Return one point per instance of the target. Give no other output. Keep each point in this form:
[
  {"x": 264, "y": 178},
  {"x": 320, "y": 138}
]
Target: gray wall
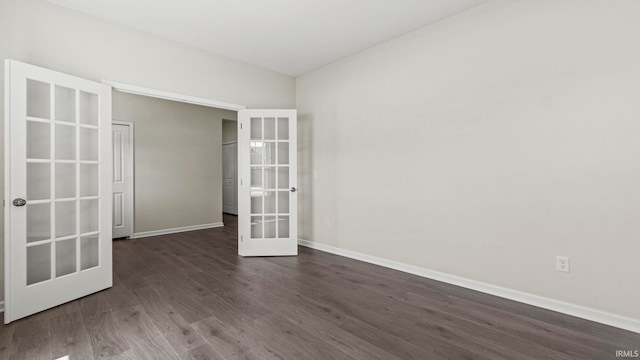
[
  {"x": 46, "y": 35},
  {"x": 178, "y": 161},
  {"x": 229, "y": 130},
  {"x": 485, "y": 145}
]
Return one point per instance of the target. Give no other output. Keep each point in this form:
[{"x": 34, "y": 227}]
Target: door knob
[
  {"x": 293, "y": 189},
  {"x": 19, "y": 202}
]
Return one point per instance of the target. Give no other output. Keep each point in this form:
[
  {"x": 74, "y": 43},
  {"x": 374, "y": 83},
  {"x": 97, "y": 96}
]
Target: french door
[
  {"x": 268, "y": 198},
  {"x": 57, "y": 189}
]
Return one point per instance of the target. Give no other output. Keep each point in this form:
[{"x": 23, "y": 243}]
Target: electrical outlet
[{"x": 562, "y": 263}]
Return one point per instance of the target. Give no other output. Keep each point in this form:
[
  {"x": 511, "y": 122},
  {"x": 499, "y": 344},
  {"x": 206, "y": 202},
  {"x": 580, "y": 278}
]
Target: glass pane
[
  {"x": 256, "y": 178},
  {"x": 65, "y": 257},
  {"x": 38, "y": 99},
  {"x": 88, "y": 144},
  {"x": 256, "y": 129},
  {"x": 269, "y": 202},
  {"x": 38, "y": 263},
  {"x": 270, "y": 227},
  {"x": 65, "y": 142},
  {"x": 89, "y": 183},
  {"x": 269, "y": 128},
  {"x": 65, "y": 181},
  {"x": 38, "y": 140},
  {"x": 283, "y": 226},
  {"x": 256, "y": 152},
  {"x": 283, "y": 202},
  {"x": 256, "y": 204},
  {"x": 38, "y": 222},
  {"x": 283, "y": 153},
  {"x": 88, "y": 215},
  {"x": 38, "y": 181},
  {"x": 283, "y": 129},
  {"x": 88, "y": 108},
  {"x": 283, "y": 177},
  {"x": 256, "y": 227},
  {"x": 269, "y": 153},
  {"x": 65, "y": 218},
  {"x": 89, "y": 252},
  {"x": 65, "y": 104},
  {"x": 270, "y": 178}
]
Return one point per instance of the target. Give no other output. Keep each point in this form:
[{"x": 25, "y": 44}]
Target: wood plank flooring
[{"x": 189, "y": 296}]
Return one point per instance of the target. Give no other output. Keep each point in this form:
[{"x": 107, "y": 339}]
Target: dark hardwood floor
[{"x": 189, "y": 296}]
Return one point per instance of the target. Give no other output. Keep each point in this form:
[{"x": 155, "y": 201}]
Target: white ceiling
[{"x": 288, "y": 36}]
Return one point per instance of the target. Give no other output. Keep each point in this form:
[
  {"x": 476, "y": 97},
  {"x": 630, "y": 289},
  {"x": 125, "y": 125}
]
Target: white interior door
[
  {"x": 229, "y": 176},
  {"x": 57, "y": 189},
  {"x": 268, "y": 201},
  {"x": 122, "y": 179}
]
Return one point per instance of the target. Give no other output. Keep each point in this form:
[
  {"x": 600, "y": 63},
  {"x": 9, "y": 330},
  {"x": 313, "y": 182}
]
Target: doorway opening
[
  {"x": 178, "y": 164},
  {"x": 230, "y": 167}
]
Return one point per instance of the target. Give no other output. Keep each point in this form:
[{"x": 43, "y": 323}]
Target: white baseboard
[
  {"x": 176, "y": 230},
  {"x": 583, "y": 312},
  {"x": 2, "y": 306}
]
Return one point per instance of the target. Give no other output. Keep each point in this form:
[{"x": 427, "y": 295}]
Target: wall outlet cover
[{"x": 562, "y": 263}]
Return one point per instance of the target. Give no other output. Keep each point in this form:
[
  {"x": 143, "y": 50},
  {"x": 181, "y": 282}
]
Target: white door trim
[
  {"x": 7, "y": 183},
  {"x": 131, "y": 201},
  {"x": 167, "y": 95}
]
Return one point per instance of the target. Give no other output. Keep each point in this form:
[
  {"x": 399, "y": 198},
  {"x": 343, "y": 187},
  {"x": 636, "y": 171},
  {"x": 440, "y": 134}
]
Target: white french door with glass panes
[
  {"x": 57, "y": 189},
  {"x": 268, "y": 198}
]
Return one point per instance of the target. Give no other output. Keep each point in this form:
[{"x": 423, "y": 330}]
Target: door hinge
[
  {"x": 241, "y": 238},
  {"x": 240, "y": 182},
  {"x": 240, "y": 126}
]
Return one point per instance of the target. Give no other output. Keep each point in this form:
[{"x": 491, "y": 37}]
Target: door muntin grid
[
  {"x": 62, "y": 181},
  {"x": 269, "y": 177}
]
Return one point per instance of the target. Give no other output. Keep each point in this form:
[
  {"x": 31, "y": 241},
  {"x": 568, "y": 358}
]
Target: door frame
[
  {"x": 167, "y": 95},
  {"x": 131, "y": 202},
  {"x": 7, "y": 186}
]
